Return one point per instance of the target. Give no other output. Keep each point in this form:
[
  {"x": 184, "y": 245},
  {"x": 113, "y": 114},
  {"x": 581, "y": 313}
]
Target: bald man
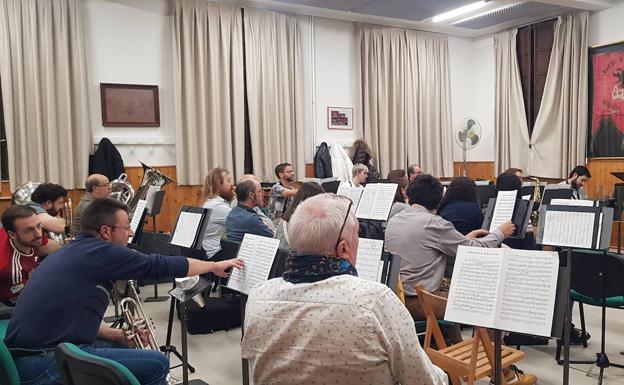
[{"x": 97, "y": 186}]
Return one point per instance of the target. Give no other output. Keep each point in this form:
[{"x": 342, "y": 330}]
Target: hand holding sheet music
[
  {"x": 258, "y": 254},
  {"x": 504, "y": 209}
]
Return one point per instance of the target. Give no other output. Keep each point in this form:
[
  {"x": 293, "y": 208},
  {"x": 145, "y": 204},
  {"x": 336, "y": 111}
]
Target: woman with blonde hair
[{"x": 216, "y": 195}]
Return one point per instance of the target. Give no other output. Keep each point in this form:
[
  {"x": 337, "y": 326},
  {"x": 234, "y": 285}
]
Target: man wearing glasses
[
  {"x": 243, "y": 219},
  {"x": 22, "y": 241},
  {"x": 97, "y": 186},
  {"x": 320, "y": 323},
  {"x": 67, "y": 297}
]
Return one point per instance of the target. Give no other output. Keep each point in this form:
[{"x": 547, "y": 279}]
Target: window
[
  {"x": 534, "y": 45},
  {"x": 4, "y": 155}
]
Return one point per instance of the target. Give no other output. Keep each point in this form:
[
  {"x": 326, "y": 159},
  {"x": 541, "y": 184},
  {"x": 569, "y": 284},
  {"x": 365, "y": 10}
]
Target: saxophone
[{"x": 537, "y": 197}]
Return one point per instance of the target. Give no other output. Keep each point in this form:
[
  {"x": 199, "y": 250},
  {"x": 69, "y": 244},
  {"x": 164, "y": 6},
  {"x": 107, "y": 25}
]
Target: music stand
[{"x": 153, "y": 212}]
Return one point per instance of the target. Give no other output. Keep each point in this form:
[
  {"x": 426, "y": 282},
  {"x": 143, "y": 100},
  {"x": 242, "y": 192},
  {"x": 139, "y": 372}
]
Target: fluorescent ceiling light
[
  {"x": 458, "y": 11},
  {"x": 484, "y": 13}
]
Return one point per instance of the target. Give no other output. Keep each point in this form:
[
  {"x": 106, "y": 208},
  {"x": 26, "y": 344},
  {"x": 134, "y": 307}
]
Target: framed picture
[
  {"x": 606, "y": 101},
  {"x": 340, "y": 118},
  {"x": 129, "y": 105}
]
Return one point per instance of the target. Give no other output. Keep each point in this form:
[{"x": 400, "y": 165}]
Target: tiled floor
[{"x": 217, "y": 360}]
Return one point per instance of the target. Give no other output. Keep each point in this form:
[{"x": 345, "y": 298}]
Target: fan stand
[{"x": 464, "y": 170}]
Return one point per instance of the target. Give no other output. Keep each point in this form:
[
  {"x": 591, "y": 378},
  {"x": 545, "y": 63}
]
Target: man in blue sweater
[
  {"x": 67, "y": 297},
  {"x": 243, "y": 218}
]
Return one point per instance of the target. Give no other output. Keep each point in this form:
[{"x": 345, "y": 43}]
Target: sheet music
[
  {"x": 136, "y": 217},
  {"x": 568, "y": 229},
  {"x": 368, "y": 258},
  {"x": 503, "y": 211},
  {"x": 149, "y": 197},
  {"x": 526, "y": 197},
  {"x": 376, "y": 201},
  {"x": 474, "y": 286},
  {"x": 353, "y": 193},
  {"x": 529, "y": 287},
  {"x": 258, "y": 253},
  {"x": 186, "y": 229},
  {"x": 572, "y": 202}
]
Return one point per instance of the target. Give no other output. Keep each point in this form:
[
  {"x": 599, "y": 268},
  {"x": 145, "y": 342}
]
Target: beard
[
  {"x": 35, "y": 242},
  {"x": 52, "y": 211},
  {"x": 574, "y": 184},
  {"x": 227, "y": 195}
]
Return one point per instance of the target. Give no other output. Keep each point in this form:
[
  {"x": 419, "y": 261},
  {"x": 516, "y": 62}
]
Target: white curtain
[
  {"x": 405, "y": 98},
  {"x": 560, "y": 132},
  {"x": 511, "y": 136},
  {"x": 45, "y": 91},
  {"x": 274, "y": 90},
  {"x": 208, "y": 88}
]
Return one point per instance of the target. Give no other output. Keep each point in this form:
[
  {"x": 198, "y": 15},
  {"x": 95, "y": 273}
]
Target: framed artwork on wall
[
  {"x": 340, "y": 118},
  {"x": 129, "y": 105},
  {"x": 606, "y": 101}
]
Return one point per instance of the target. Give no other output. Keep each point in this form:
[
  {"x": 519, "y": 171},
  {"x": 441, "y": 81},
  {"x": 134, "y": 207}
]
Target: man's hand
[
  {"x": 220, "y": 267},
  {"x": 478, "y": 233},
  {"x": 507, "y": 229}
]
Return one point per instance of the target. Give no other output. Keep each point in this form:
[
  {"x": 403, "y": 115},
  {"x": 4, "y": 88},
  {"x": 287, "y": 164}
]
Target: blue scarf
[{"x": 302, "y": 268}]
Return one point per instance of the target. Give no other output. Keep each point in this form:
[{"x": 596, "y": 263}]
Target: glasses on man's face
[
  {"x": 125, "y": 228},
  {"x": 344, "y": 222}
]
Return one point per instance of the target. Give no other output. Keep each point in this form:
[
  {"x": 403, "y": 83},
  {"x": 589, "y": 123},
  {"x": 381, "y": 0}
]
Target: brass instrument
[
  {"x": 151, "y": 177},
  {"x": 121, "y": 189},
  {"x": 21, "y": 195},
  {"x": 537, "y": 197},
  {"x": 135, "y": 320}
]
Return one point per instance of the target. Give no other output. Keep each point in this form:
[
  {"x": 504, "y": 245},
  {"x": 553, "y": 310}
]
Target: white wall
[
  {"x": 603, "y": 25},
  {"x": 132, "y": 44}
]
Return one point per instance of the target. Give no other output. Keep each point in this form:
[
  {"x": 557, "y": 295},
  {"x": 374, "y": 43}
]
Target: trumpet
[{"x": 136, "y": 320}]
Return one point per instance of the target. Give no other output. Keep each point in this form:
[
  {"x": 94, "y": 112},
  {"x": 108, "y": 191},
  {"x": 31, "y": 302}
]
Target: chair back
[
  {"x": 587, "y": 270},
  {"x": 79, "y": 367},
  {"x": 229, "y": 248},
  {"x": 8, "y": 371},
  {"x": 429, "y": 304}
]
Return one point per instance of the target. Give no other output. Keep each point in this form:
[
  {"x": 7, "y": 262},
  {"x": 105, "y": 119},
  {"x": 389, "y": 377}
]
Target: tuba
[
  {"x": 151, "y": 177},
  {"x": 21, "y": 196},
  {"x": 121, "y": 189}
]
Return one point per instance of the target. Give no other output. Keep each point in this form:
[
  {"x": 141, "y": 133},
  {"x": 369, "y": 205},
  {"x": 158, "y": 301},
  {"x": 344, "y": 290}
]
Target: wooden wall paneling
[
  {"x": 476, "y": 170},
  {"x": 602, "y": 182},
  {"x": 309, "y": 170}
]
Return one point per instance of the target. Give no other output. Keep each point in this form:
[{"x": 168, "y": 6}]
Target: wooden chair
[{"x": 469, "y": 360}]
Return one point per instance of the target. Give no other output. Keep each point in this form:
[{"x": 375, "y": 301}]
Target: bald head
[{"x": 98, "y": 185}]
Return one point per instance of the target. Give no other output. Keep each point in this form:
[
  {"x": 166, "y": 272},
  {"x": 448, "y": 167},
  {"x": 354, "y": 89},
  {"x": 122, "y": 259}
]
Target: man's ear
[
  {"x": 105, "y": 232},
  {"x": 12, "y": 235},
  {"x": 343, "y": 249}
]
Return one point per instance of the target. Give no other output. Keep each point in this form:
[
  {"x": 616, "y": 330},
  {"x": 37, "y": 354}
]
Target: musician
[
  {"x": 320, "y": 323},
  {"x": 48, "y": 200},
  {"x": 282, "y": 192},
  {"x": 67, "y": 297},
  {"x": 217, "y": 193},
  {"x": 413, "y": 171},
  {"x": 243, "y": 218},
  {"x": 359, "y": 174},
  {"x": 577, "y": 179},
  {"x": 516, "y": 171},
  {"x": 96, "y": 186},
  {"x": 22, "y": 241}
]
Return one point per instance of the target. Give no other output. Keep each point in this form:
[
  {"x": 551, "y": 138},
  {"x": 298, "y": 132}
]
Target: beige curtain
[
  {"x": 511, "y": 134},
  {"x": 45, "y": 91},
  {"x": 274, "y": 91},
  {"x": 404, "y": 97},
  {"x": 208, "y": 88},
  {"x": 560, "y": 131}
]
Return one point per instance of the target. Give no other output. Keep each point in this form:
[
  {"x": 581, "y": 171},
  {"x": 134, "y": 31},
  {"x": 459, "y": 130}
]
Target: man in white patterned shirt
[{"x": 320, "y": 323}]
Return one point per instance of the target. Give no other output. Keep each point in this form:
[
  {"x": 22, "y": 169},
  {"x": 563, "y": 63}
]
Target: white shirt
[
  {"x": 216, "y": 225},
  {"x": 342, "y": 330}
]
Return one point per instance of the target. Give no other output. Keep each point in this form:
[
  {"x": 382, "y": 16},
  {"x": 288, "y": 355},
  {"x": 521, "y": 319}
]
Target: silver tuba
[
  {"x": 121, "y": 189},
  {"x": 151, "y": 177},
  {"x": 21, "y": 196}
]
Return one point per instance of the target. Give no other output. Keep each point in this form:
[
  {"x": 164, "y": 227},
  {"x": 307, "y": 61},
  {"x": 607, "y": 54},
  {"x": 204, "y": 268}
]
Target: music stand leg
[
  {"x": 185, "y": 365},
  {"x": 497, "y": 356},
  {"x": 619, "y": 237},
  {"x": 567, "y": 320}
]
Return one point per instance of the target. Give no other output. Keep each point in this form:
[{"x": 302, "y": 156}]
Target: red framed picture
[{"x": 340, "y": 118}]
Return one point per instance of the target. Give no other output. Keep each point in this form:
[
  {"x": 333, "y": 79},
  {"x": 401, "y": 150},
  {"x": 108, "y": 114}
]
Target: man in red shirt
[{"x": 22, "y": 241}]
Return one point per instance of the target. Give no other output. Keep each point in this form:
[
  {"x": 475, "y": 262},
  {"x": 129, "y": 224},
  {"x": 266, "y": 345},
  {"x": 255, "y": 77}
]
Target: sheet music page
[
  {"x": 526, "y": 197},
  {"x": 186, "y": 229},
  {"x": 376, "y": 201},
  {"x": 568, "y": 229},
  {"x": 527, "y": 295},
  {"x": 368, "y": 258},
  {"x": 258, "y": 253},
  {"x": 353, "y": 193},
  {"x": 503, "y": 211},
  {"x": 572, "y": 202},
  {"x": 136, "y": 217},
  {"x": 474, "y": 287},
  {"x": 149, "y": 197}
]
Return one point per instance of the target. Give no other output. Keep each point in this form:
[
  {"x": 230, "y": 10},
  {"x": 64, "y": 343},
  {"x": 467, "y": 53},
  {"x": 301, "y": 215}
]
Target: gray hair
[
  {"x": 314, "y": 226},
  {"x": 357, "y": 168}
]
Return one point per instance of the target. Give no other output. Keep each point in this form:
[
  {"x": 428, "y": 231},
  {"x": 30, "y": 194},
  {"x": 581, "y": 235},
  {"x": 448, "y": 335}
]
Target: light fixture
[{"x": 458, "y": 11}]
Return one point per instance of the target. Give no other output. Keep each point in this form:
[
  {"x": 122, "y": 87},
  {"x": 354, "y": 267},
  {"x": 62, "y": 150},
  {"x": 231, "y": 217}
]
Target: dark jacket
[
  {"x": 360, "y": 155},
  {"x": 322, "y": 162},
  {"x": 106, "y": 160}
]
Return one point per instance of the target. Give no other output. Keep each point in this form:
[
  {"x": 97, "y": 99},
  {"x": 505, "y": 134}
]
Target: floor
[{"x": 217, "y": 360}]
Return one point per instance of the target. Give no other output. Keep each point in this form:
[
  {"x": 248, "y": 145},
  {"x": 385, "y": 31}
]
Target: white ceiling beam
[{"x": 587, "y": 5}]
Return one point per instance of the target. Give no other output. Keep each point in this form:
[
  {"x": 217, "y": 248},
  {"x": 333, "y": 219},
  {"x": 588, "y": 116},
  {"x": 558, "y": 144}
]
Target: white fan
[{"x": 467, "y": 137}]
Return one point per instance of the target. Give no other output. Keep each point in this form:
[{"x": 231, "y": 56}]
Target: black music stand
[
  {"x": 153, "y": 212},
  {"x": 183, "y": 298},
  {"x": 520, "y": 218}
]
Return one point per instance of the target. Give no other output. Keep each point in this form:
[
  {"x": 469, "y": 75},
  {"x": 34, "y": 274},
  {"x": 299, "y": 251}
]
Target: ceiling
[{"x": 496, "y": 15}]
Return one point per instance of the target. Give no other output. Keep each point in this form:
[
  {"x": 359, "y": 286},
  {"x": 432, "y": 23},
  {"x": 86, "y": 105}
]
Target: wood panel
[
  {"x": 476, "y": 170},
  {"x": 309, "y": 170},
  {"x": 602, "y": 182}
]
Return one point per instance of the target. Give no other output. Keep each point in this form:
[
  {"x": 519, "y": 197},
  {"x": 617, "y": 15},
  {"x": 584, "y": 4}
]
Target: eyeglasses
[
  {"x": 344, "y": 222},
  {"x": 125, "y": 228}
]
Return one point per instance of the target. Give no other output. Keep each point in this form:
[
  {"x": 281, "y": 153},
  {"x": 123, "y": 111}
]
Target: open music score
[
  {"x": 505, "y": 289},
  {"x": 504, "y": 209},
  {"x": 375, "y": 201},
  {"x": 353, "y": 193},
  {"x": 187, "y": 227},
  {"x": 258, "y": 253},
  {"x": 369, "y": 263},
  {"x": 137, "y": 216},
  {"x": 569, "y": 229}
]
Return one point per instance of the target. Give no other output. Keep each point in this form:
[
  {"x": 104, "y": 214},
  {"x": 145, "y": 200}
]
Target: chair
[
  {"x": 4, "y": 324},
  {"x": 8, "y": 371},
  {"x": 469, "y": 360},
  {"x": 81, "y": 368}
]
